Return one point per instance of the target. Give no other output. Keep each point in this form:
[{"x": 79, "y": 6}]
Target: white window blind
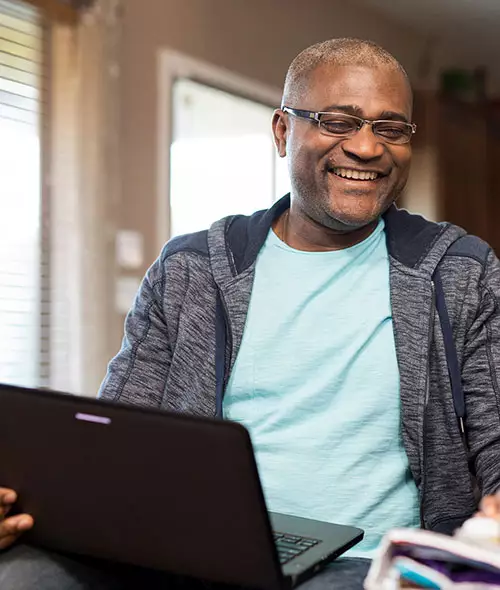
[{"x": 21, "y": 51}]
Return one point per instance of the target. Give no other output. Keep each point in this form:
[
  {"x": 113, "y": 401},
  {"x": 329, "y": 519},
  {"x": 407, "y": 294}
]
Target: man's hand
[
  {"x": 11, "y": 528},
  {"x": 490, "y": 506}
]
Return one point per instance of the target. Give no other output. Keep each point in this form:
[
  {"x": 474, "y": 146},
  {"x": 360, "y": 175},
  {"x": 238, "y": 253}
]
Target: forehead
[{"x": 373, "y": 90}]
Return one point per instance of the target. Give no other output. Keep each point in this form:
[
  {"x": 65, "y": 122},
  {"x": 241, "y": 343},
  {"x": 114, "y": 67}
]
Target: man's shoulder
[
  {"x": 232, "y": 228},
  {"x": 470, "y": 246},
  {"x": 181, "y": 257},
  {"x": 194, "y": 242},
  {"x": 406, "y": 224},
  {"x": 414, "y": 238},
  {"x": 241, "y": 235}
]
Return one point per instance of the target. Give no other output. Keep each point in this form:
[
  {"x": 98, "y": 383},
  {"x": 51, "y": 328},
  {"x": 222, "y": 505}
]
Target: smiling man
[
  {"x": 321, "y": 296},
  {"x": 314, "y": 325}
]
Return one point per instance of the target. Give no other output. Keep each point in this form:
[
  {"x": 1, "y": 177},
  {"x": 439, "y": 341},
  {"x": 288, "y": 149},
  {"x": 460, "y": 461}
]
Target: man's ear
[{"x": 280, "y": 131}]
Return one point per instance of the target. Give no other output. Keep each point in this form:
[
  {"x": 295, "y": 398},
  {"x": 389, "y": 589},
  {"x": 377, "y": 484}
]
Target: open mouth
[{"x": 351, "y": 174}]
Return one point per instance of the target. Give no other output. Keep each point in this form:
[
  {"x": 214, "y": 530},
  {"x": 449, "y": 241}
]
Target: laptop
[{"x": 155, "y": 489}]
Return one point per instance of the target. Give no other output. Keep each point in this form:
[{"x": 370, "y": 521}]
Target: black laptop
[{"x": 155, "y": 489}]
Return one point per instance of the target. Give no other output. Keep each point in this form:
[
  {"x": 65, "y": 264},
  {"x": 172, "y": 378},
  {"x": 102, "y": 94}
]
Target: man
[{"x": 313, "y": 323}]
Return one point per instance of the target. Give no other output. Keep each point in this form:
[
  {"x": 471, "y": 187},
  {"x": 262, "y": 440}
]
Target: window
[
  {"x": 215, "y": 145},
  {"x": 20, "y": 238},
  {"x": 223, "y": 158}
]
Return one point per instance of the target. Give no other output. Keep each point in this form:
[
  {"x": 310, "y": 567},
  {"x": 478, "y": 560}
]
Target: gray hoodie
[{"x": 186, "y": 325}]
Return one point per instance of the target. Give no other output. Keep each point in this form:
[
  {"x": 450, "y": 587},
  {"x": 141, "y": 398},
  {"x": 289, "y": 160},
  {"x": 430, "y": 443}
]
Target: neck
[{"x": 303, "y": 233}]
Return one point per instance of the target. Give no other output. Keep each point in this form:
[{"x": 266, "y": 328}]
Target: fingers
[
  {"x": 15, "y": 525},
  {"x": 7, "y": 498},
  {"x": 11, "y": 528},
  {"x": 7, "y": 495},
  {"x": 490, "y": 506}
]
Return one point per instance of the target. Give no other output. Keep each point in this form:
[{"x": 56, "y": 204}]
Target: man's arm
[
  {"x": 139, "y": 372},
  {"x": 480, "y": 376}
]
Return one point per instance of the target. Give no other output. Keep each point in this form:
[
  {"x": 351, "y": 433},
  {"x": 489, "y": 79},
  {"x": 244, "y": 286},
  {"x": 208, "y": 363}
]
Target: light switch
[{"x": 129, "y": 249}]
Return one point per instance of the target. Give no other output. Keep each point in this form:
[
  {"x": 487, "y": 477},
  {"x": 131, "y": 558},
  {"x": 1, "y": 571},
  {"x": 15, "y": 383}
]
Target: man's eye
[
  {"x": 391, "y": 131},
  {"x": 338, "y": 126}
]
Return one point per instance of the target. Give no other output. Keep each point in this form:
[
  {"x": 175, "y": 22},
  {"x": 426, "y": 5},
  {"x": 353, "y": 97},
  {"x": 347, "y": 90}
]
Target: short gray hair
[{"x": 342, "y": 52}]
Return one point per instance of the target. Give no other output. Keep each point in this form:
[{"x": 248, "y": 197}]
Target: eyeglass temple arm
[{"x": 301, "y": 113}]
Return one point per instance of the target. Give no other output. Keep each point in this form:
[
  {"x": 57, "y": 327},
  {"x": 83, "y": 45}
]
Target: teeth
[{"x": 356, "y": 174}]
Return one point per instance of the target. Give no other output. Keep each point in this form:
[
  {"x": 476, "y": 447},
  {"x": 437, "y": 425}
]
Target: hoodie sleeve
[
  {"x": 138, "y": 373},
  {"x": 481, "y": 380}
]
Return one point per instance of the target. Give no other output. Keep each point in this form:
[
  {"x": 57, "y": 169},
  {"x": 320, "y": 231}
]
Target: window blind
[{"x": 21, "y": 57}]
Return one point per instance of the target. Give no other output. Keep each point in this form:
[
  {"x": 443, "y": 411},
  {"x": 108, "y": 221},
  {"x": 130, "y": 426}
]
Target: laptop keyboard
[{"x": 290, "y": 546}]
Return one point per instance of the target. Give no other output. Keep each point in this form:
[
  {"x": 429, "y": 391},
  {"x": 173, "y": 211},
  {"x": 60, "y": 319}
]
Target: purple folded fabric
[{"x": 452, "y": 566}]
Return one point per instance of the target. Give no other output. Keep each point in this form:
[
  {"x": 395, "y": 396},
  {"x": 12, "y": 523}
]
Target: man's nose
[{"x": 364, "y": 145}]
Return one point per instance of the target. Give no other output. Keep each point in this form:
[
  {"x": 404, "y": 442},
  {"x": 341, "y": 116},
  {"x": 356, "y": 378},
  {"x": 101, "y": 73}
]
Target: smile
[{"x": 356, "y": 174}]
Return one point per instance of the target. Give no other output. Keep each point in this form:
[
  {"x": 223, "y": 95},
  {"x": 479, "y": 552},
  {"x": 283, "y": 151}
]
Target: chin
[
  {"x": 353, "y": 219},
  {"x": 349, "y": 223}
]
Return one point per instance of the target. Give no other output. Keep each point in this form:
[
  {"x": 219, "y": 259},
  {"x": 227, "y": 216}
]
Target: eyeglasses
[{"x": 344, "y": 125}]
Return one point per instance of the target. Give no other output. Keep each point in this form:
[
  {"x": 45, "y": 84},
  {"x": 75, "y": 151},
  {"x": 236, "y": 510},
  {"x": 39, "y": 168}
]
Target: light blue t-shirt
[{"x": 316, "y": 382}]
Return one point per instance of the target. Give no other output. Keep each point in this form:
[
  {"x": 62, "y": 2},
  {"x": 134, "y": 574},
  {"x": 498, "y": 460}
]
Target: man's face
[{"x": 322, "y": 194}]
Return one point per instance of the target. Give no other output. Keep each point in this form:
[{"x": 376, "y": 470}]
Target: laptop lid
[{"x": 150, "y": 488}]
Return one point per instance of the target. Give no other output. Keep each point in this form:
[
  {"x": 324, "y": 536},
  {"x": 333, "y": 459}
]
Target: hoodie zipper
[
  {"x": 427, "y": 393},
  {"x": 229, "y": 335}
]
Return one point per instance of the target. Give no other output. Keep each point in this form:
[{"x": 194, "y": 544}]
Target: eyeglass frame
[{"x": 315, "y": 116}]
